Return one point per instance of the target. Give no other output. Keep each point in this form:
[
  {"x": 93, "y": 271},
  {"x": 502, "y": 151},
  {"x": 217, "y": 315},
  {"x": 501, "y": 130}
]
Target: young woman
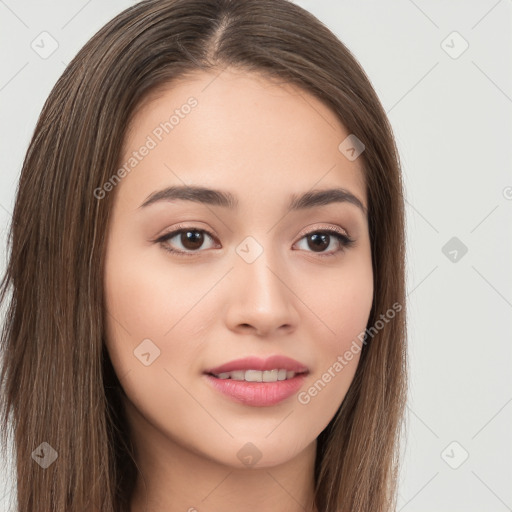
[{"x": 207, "y": 273}]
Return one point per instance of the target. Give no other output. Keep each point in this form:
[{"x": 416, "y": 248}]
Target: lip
[
  {"x": 256, "y": 363},
  {"x": 258, "y": 394}
]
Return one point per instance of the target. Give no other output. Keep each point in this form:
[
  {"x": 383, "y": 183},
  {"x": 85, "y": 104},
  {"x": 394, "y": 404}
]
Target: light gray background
[{"x": 451, "y": 115}]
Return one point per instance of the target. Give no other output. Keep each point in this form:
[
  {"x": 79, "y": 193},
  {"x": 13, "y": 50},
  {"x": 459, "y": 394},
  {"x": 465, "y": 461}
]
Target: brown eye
[
  {"x": 188, "y": 240},
  {"x": 320, "y": 240},
  {"x": 191, "y": 240}
]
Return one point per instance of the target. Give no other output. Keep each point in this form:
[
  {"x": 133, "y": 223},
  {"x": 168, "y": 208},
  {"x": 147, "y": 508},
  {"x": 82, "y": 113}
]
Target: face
[{"x": 212, "y": 296}]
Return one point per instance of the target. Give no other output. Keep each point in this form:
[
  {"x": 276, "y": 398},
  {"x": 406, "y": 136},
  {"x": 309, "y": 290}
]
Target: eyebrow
[{"x": 226, "y": 199}]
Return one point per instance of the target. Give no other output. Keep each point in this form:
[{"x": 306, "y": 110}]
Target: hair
[{"x": 58, "y": 383}]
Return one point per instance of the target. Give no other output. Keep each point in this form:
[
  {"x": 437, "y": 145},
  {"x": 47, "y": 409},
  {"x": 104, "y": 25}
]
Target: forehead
[{"x": 245, "y": 131}]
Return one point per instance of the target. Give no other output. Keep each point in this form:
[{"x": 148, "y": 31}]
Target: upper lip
[{"x": 257, "y": 363}]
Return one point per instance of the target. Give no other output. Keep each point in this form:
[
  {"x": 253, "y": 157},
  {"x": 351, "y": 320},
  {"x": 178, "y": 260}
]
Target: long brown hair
[{"x": 58, "y": 384}]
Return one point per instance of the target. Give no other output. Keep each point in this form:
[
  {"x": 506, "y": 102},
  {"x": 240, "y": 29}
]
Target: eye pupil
[
  {"x": 322, "y": 238},
  {"x": 192, "y": 239}
]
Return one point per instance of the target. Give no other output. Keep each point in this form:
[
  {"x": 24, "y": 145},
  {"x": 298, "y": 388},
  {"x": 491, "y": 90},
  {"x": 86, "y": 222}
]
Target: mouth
[
  {"x": 277, "y": 374},
  {"x": 258, "y": 382}
]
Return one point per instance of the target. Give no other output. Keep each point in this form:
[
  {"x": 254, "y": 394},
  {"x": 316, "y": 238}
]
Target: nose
[{"x": 262, "y": 300}]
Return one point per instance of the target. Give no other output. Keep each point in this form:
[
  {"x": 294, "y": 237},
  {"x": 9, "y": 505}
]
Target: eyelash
[{"x": 344, "y": 240}]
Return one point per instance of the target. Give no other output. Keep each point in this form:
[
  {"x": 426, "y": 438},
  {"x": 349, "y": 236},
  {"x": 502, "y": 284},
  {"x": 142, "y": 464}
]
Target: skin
[{"x": 261, "y": 141}]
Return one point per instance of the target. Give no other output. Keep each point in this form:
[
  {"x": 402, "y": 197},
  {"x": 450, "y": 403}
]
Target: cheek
[
  {"x": 152, "y": 334},
  {"x": 341, "y": 301},
  {"x": 344, "y": 302},
  {"x": 146, "y": 299},
  {"x": 349, "y": 320},
  {"x": 143, "y": 302}
]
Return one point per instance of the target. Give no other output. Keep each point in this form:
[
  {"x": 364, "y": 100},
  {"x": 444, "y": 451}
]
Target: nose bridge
[
  {"x": 262, "y": 297},
  {"x": 257, "y": 264}
]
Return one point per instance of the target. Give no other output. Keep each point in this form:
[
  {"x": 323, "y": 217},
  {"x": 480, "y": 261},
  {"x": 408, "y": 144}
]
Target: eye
[
  {"x": 321, "y": 239},
  {"x": 191, "y": 239}
]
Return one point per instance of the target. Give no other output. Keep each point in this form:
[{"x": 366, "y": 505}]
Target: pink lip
[
  {"x": 258, "y": 394},
  {"x": 255, "y": 363}
]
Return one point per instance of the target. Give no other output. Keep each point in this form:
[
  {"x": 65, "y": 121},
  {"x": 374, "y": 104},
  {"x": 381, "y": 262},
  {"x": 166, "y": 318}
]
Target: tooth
[
  {"x": 281, "y": 375},
  {"x": 253, "y": 376},
  {"x": 257, "y": 375},
  {"x": 270, "y": 375}
]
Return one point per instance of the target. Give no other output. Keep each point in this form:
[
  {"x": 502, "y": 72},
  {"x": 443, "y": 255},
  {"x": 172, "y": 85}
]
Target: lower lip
[{"x": 258, "y": 394}]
